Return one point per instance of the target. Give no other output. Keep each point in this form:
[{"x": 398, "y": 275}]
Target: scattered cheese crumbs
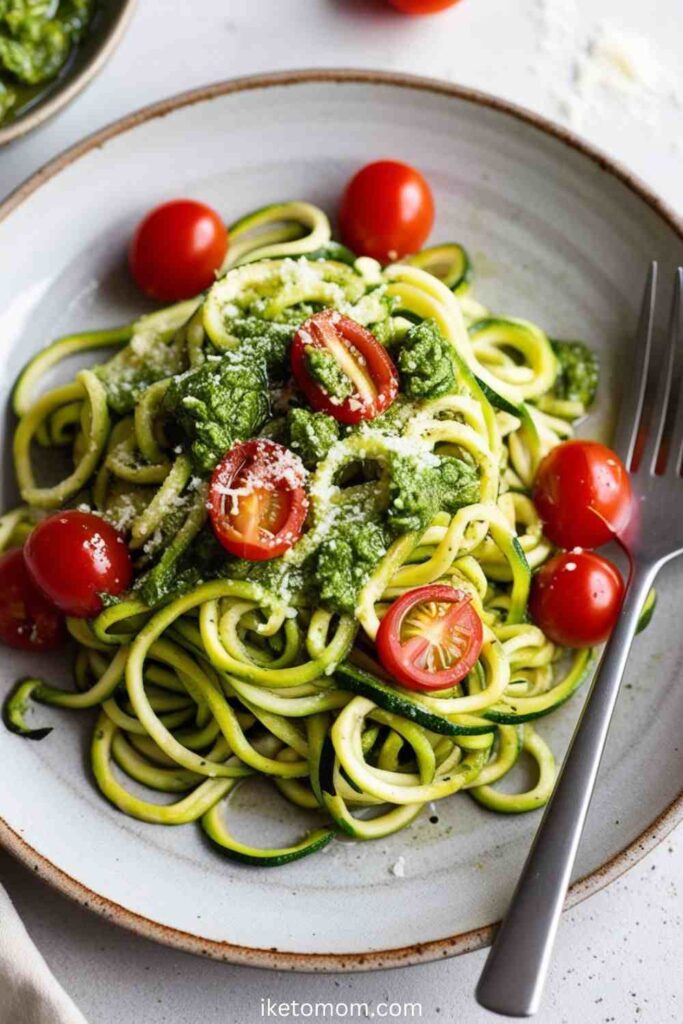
[
  {"x": 399, "y": 868},
  {"x": 369, "y": 269},
  {"x": 608, "y": 70},
  {"x": 154, "y": 542},
  {"x": 614, "y": 66},
  {"x": 122, "y": 514},
  {"x": 621, "y": 60},
  {"x": 558, "y": 22}
]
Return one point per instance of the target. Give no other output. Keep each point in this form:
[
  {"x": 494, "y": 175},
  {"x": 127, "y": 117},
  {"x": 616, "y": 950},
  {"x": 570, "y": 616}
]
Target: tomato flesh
[
  {"x": 422, "y": 6},
  {"x": 576, "y": 598},
  {"x": 28, "y": 621},
  {"x": 257, "y": 501},
  {"x": 176, "y": 250},
  {"x": 387, "y": 211},
  {"x": 74, "y": 557},
  {"x": 370, "y": 371},
  {"x": 583, "y": 494},
  {"x": 430, "y": 638}
]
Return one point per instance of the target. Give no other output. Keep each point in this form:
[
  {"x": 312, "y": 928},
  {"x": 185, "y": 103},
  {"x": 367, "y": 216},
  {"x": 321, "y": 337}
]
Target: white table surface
[{"x": 618, "y": 957}]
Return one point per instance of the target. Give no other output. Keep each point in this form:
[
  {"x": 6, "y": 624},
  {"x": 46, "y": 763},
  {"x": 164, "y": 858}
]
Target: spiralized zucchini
[{"x": 226, "y": 679}]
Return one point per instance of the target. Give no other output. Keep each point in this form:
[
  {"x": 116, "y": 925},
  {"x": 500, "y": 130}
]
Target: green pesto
[
  {"x": 294, "y": 582},
  {"x": 311, "y": 435},
  {"x": 425, "y": 362},
  {"x": 182, "y": 568},
  {"x": 148, "y": 359},
  {"x": 418, "y": 491},
  {"x": 579, "y": 372},
  {"x": 222, "y": 401},
  {"x": 206, "y": 559},
  {"x": 346, "y": 558},
  {"x": 268, "y": 339},
  {"x": 383, "y": 328},
  {"x": 392, "y": 422},
  {"x": 227, "y": 398},
  {"x": 37, "y": 38},
  {"x": 169, "y": 573},
  {"x": 325, "y": 371}
]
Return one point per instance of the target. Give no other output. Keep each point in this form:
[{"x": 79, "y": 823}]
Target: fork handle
[{"x": 515, "y": 971}]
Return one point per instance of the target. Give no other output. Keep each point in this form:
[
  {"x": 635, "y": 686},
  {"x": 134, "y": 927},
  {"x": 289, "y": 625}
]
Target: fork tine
[
  {"x": 676, "y": 455},
  {"x": 660, "y": 407},
  {"x": 635, "y": 379}
]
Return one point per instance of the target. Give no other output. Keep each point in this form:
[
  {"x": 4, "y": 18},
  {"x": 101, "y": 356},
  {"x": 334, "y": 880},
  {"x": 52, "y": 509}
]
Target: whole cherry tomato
[
  {"x": 583, "y": 494},
  {"x": 422, "y": 6},
  {"x": 387, "y": 211},
  {"x": 176, "y": 250},
  {"x": 576, "y": 597},
  {"x": 75, "y": 557},
  {"x": 28, "y": 620}
]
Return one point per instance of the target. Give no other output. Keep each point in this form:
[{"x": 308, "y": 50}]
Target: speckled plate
[{"x": 559, "y": 235}]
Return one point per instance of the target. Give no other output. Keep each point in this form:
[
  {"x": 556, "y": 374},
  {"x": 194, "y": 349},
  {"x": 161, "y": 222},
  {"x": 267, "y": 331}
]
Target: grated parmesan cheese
[{"x": 399, "y": 868}]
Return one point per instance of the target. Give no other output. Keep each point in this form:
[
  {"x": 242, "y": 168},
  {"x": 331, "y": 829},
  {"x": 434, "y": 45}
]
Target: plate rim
[{"x": 416, "y": 953}]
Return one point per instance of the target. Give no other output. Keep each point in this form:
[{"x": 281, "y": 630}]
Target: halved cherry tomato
[
  {"x": 372, "y": 377},
  {"x": 422, "y": 6},
  {"x": 176, "y": 250},
  {"x": 576, "y": 597},
  {"x": 75, "y": 557},
  {"x": 430, "y": 638},
  {"x": 257, "y": 501},
  {"x": 28, "y": 621},
  {"x": 583, "y": 494},
  {"x": 387, "y": 211}
]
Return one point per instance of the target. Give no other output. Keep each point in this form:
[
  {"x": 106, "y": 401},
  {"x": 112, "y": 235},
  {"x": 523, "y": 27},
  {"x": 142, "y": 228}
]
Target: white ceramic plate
[{"x": 558, "y": 235}]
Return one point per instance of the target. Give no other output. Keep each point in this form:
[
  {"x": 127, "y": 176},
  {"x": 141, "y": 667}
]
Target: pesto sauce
[
  {"x": 37, "y": 38},
  {"x": 217, "y": 403},
  {"x": 311, "y": 435},
  {"x": 578, "y": 372},
  {"x": 326, "y": 371},
  {"x": 425, "y": 362},
  {"x": 233, "y": 395}
]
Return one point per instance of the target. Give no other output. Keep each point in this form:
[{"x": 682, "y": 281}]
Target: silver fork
[{"x": 649, "y": 439}]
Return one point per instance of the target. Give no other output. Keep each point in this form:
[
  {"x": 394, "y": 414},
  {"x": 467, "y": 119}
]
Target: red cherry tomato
[
  {"x": 357, "y": 353},
  {"x": 583, "y": 494},
  {"x": 430, "y": 638},
  {"x": 176, "y": 250},
  {"x": 387, "y": 211},
  {"x": 28, "y": 621},
  {"x": 576, "y": 597},
  {"x": 422, "y": 6},
  {"x": 74, "y": 557},
  {"x": 257, "y": 502}
]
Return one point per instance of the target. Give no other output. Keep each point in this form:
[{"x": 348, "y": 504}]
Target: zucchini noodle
[{"x": 223, "y": 675}]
